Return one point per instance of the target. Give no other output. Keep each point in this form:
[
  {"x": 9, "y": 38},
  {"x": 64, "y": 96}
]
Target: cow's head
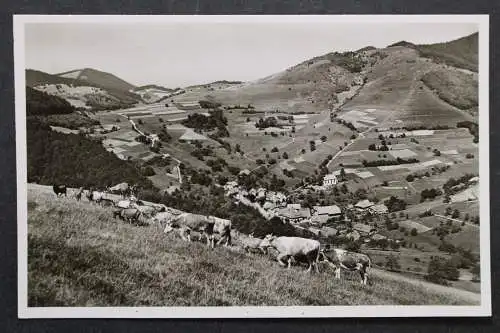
[
  {"x": 266, "y": 242},
  {"x": 168, "y": 228}
]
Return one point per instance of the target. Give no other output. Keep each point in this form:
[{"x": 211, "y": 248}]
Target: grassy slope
[{"x": 80, "y": 256}]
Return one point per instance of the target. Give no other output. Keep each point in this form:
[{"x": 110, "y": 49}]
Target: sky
[{"x": 182, "y": 54}]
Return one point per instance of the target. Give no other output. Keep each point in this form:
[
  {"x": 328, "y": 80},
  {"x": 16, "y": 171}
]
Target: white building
[{"x": 330, "y": 180}]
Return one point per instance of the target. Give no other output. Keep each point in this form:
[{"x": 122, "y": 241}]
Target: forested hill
[
  {"x": 71, "y": 159},
  {"x": 74, "y": 160},
  {"x": 39, "y": 103}
]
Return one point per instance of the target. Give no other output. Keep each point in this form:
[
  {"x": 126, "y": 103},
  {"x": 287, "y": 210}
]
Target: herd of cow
[{"x": 290, "y": 249}]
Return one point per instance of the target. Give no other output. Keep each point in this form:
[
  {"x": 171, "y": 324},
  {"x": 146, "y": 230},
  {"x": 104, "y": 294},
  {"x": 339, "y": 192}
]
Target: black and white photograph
[{"x": 252, "y": 166}]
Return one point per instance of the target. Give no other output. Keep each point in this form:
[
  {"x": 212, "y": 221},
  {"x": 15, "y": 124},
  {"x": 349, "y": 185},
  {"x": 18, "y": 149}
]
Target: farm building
[
  {"x": 188, "y": 105},
  {"x": 474, "y": 180},
  {"x": 319, "y": 219},
  {"x": 378, "y": 237},
  {"x": 324, "y": 213},
  {"x": 191, "y": 135},
  {"x": 328, "y": 231},
  {"x": 363, "y": 205},
  {"x": 294, "y": 214},
  {"x": 379, "y": 209},
  {"x": 244, "y": 172},
  {"x": 363, "y": 229},
  {"x": 330, "y": 180}
]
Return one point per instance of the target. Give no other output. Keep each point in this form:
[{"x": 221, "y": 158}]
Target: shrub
[
  {"x": 441, "y": 270},
  {"x": 392, "y": 263}
]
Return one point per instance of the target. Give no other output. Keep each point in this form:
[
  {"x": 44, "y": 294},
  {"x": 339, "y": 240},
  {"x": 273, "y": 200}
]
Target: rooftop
[
  {"x": 364, "y": 204},
  {"x": 327, "y": 210}
]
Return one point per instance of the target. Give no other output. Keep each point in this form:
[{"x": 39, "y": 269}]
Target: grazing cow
[
  {"x": 79, "y": 194},
  {"x": 188, "y": 222},
  {"x": 123, "y": 189},
  {"x": 60, "y": 190},
  {"x": 351, "y": 261},
  {"x": 250, "y": 243},
  {"x": 97, "y": 196},
  {"x": 162, "y": 218},
  {"x": 128, "y": 214},
  {"x": 123, "y": 204},
  {"x": 223, "y": 228},
  {"x": 294, "y": 247},
  {"x": 147, "y": 211}
]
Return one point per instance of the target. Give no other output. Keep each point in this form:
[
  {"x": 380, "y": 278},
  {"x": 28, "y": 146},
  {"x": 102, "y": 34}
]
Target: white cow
[
  {"x": 350, "y": 261},
  {"x": 162, "y": 218},
  {"x": 95, "y": 196},
  {"x": 294, "y": 247},
  {"x": 188, "y": 222},
  {"x": 123, "y": 204}
]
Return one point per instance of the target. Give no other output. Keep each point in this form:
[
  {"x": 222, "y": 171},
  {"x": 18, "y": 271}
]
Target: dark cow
[
  {"x": 105, "y": 202},
  {"x": 350, "y": 261},
  {"x": 60, "y": 190}
]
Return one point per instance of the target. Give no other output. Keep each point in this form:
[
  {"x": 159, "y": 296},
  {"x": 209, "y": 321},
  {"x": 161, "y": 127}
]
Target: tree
[
  {"x": 476, "y": 273},
  {"x": 303, "y": 151},
  {"x": 285, "y": 155},
  {"x": 441, "y": 270},
  {"x": 274, "y": 150},
  {"x": 372, "y": 147},
  {"x": 414, "y": 232},
  {"x": 392, "y": 263},
  {"x": 448, "y": 211},
  {"x": 456, "y": 214},
  {"x": 323, "y": 138},
  {"x": 140, "y": 122},
  {"x": 342, "y": 174}
]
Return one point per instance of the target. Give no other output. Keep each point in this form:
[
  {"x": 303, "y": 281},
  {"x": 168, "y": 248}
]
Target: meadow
[{"x": 78, "y": 255}]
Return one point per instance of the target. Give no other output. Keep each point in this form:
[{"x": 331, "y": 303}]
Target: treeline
[
  {"x": 200, "y": 122},
  {"x": 398, "y": 161},
  {"x": 74, "y": 160},
  {"x": 39, "y": 103},
  {"x": 472, "y": 127}
]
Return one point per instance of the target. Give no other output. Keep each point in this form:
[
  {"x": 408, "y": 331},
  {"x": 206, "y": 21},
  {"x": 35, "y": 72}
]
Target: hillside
[
  {"x": 85, "y": 88},
  {"x": 78, "y": 255},
  {"x": 98, "y": 78},
  {"x": 461, "y": 53}
]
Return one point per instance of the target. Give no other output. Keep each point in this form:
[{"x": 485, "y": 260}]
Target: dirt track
[{"x": 466, "y": 295}]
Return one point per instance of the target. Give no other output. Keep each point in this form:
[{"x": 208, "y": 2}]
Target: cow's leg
[
  {"x": 280, "y": 259},
  {"x": 289, "y": 262},
  {"x": 337, "y": 273},
  {"x": 183, "y": 235}
]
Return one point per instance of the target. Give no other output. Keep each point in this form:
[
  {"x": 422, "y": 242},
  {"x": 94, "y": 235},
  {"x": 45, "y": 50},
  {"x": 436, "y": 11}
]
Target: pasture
[{"x": 78, "y": 255}]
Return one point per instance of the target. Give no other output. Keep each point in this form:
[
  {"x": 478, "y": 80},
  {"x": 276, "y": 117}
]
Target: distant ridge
[{"x": 95, "y": 77}]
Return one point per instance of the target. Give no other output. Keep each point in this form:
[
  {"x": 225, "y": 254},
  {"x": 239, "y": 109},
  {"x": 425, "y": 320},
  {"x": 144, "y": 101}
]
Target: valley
[{"x": 393, "y": 129}]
